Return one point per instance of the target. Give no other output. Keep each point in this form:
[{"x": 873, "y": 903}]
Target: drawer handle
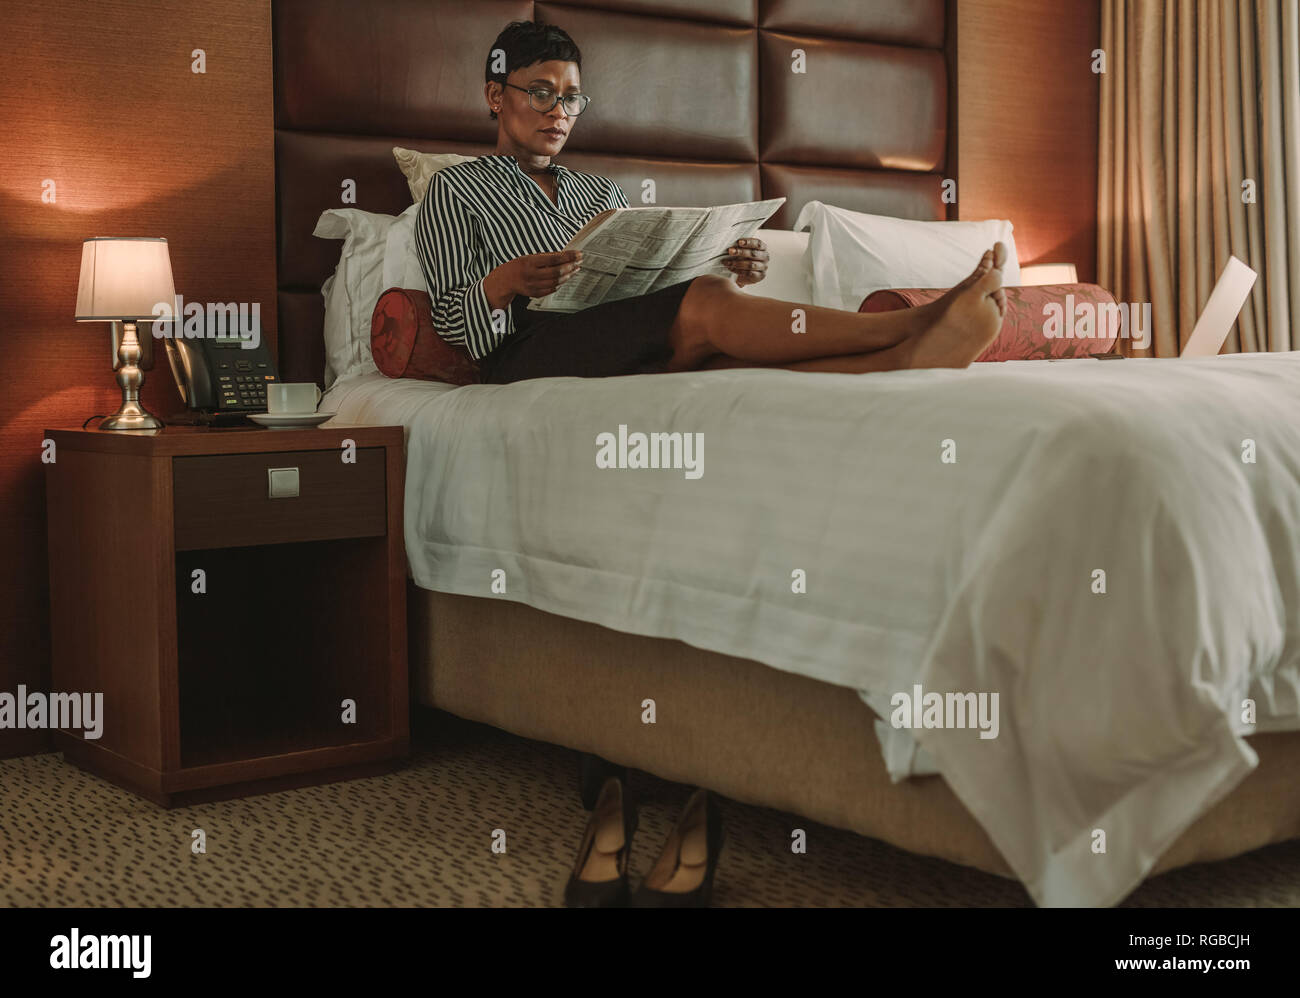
[{"x": 281, "y": 483}]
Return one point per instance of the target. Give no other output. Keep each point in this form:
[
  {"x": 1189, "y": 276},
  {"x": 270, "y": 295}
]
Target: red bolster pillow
[
  {"x": 1032, "y": 329},
  {"x": 405, "y": 344}
]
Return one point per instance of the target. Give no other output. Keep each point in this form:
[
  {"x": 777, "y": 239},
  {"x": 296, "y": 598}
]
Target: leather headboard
[{"x": 701, "y": 96}]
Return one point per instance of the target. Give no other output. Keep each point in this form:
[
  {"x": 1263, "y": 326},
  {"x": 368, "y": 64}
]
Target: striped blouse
[{"x": 481, "y": 214}]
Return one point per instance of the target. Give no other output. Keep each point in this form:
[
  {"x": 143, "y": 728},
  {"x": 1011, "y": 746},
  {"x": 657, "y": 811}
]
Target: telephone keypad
[{"x": 244, "y": 390}]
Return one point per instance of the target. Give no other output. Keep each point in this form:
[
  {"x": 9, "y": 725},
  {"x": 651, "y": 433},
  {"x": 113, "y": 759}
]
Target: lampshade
[
  {"x": 1049, "y": 273},
  {"x": 123, "y": 278}
]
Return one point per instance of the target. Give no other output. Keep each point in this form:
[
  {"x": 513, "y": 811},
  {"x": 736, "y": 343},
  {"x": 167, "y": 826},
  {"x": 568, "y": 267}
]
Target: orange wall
[
  {"x": 101, "y": 99},
  {"x": 1027, "y": 106}
]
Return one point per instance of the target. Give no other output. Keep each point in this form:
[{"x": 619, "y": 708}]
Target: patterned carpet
[{"x": 423, "y": 836}]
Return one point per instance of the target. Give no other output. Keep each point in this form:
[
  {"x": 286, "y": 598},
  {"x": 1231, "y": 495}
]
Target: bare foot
[{"x": 960, "y": 325}]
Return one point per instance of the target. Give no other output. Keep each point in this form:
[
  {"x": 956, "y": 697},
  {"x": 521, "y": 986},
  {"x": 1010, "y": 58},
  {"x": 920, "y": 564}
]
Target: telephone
[{"x": 217, "y": 376}]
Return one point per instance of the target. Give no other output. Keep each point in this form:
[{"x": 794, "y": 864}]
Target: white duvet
[{"x": 940, "y": 529}]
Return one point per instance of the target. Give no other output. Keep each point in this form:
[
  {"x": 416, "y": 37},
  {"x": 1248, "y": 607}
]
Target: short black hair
[{"x": 526, "y": 42}]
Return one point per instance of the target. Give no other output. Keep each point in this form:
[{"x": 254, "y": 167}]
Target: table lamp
[{"x": 122, "y": 279}]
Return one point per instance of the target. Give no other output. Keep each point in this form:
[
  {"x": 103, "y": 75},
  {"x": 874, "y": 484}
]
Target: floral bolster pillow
[
  {"x": 1041, "y": 321},
  {"x": 404, "y": 343}
]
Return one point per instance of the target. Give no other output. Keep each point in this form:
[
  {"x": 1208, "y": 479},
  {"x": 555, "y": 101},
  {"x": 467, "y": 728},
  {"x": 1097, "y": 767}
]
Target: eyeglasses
[{"x": 542, "y": 99}]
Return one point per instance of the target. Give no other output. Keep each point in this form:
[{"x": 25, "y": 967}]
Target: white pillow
[
  {"x": 789, "y": 276},
  {"x": 419, "y": 167},
  {"x": 401, "y": 264},
  {"x": 853, "y": 254},
  {"x": 351, "y": 293}
]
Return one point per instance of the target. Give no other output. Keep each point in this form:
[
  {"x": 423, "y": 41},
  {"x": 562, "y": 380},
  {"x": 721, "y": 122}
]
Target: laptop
[{"x": 1221, "y": 311}]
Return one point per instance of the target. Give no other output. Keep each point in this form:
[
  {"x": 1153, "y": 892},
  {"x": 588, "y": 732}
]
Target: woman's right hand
[{"x": 535, "y": 276}]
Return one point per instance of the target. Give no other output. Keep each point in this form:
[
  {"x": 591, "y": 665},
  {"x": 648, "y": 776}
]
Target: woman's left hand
[{"x": 747, "y": 260}]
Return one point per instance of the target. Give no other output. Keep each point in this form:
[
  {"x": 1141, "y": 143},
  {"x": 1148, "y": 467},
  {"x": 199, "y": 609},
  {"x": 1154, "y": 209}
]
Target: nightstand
[{"x": 244, "y": 641}]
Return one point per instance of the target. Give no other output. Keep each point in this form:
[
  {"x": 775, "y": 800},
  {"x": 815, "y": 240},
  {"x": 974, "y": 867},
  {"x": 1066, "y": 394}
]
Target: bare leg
[
  {"x": 895, "y": 358},
  {"x": 716, "y": 319},
  {"x": 717, "y": 326}
]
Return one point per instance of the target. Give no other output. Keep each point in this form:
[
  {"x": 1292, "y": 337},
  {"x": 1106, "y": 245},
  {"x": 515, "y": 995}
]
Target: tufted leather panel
[
  {"x": 884, "y": 192},
  {"x": 675, "y": 182},
  {"x": 302, "y": 353},
  {"x": 697, "y": 96},
  {"x": 856, "y": 104},
  {"x": 742, "y": 12},
  {"x": 391, "y": 67},
  {"x": 920, "y": 22},
  {"x": 664, "y": 87}
]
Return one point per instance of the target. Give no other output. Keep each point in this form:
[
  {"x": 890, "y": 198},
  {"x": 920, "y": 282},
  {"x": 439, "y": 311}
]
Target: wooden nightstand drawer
[{"x": 223, "y": 500}]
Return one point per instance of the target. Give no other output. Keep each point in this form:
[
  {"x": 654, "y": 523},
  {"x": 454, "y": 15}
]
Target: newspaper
[{"x": 633, "y": 251}]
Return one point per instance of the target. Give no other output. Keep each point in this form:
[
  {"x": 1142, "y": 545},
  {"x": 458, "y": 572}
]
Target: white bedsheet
[{"x": 1120, "y": 713}]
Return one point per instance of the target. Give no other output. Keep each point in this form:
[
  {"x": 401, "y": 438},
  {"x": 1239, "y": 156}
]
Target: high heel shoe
[
  {"x": 682, "y": 877},
  {"x": 599, "y": 877}
]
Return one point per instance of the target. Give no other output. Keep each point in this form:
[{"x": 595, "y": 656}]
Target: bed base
[{"x": 750, "y": 732}]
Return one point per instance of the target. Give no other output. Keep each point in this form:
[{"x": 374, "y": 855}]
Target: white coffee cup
[{"x": 292, "y": 399}]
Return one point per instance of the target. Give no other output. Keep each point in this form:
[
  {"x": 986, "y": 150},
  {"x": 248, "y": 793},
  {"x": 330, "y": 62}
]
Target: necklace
[{"x": 550, "y": 187}]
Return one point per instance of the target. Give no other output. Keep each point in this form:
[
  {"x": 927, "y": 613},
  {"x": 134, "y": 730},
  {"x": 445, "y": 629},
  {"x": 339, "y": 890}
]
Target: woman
[{"x": 491, "y": 232}]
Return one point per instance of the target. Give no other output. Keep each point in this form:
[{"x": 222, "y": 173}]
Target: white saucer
[{"x": 289, "y": 420}]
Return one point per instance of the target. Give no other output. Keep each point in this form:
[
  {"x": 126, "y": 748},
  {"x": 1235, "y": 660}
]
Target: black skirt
[{"x": 629, "y": 336}]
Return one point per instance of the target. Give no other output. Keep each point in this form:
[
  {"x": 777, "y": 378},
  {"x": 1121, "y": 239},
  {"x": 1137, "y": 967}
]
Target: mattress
[{"x": 1100, "y": 559}]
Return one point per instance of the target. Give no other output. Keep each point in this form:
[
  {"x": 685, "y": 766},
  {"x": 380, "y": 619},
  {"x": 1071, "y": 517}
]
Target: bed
[
  {"x": 826, "y": 538},
  {"x": 829, "y": 557}
]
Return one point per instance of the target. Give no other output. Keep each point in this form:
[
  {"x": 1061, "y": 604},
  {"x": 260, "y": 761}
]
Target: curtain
[{"x": 1199, "y": 158}]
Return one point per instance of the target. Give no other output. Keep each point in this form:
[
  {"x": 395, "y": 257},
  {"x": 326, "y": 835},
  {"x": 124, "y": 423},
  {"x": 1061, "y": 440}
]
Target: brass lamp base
[{"x": 132, "y": 415}]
